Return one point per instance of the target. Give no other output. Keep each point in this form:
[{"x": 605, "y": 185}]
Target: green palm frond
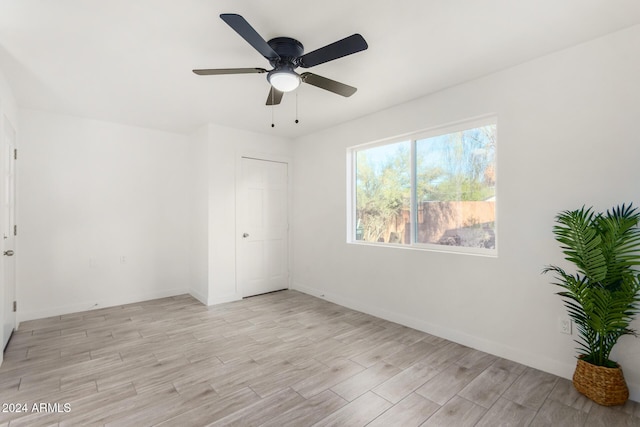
[
  {"x": 620, "y": 242},
  {"x": 603, "y": 297},
  {"x": 581, "y": 242}
]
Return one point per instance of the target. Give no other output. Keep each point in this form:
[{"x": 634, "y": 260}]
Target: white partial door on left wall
[
  {"x": 262, "y": 227},
  {"x": 8, "y": 228}
]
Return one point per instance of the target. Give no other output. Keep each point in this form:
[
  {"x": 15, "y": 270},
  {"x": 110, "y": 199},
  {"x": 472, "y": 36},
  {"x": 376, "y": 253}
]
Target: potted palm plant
[{"x": 602, "y": 297}]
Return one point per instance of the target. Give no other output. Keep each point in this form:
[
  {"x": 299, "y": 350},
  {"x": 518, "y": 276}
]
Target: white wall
[
  {"x": 89, "y": 193},
  {"x": 199, "y": 221},
  {"x": 567, "y": 136},
  {"x": 8, "y": 105}
]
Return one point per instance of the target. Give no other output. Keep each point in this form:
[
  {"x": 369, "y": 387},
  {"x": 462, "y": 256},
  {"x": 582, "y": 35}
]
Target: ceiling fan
[{"x": 285, "y": 55}]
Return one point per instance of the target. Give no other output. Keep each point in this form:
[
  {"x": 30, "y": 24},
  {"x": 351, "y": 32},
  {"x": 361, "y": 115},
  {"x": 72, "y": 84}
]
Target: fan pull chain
[
  {"x": 296, "y": 107},
  {"x": 272, "y": 107}
]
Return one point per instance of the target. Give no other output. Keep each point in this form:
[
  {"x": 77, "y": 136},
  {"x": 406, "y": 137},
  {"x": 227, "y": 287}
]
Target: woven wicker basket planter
[{"x": 605, "y": 386}]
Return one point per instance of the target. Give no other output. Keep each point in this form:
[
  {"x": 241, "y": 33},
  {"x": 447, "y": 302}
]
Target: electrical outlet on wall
[{"x": 564, "y": 325}]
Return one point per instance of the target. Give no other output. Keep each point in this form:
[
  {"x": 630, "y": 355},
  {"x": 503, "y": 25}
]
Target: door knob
[
  {"x": 245, "y": 235},
  {"x": 9, "y": 252}
]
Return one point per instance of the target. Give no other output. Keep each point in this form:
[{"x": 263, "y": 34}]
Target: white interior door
[
  {"x": 262, "y": 227},
  {"x": 8, "y": 229}
]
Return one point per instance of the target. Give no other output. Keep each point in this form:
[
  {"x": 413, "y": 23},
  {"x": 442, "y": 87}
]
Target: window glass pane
[
  {"x": 455, "y": 188},
  {"x": 383, "y": 193}
]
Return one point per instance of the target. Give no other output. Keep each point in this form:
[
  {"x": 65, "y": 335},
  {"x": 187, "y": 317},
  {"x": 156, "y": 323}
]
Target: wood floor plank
[
  {"x": 457, "y": 412},
  {"x": 411, "y": 354},
  {"x": 398, "y": 333},
  {"x": 88, "y": 407},
  {"x": 413, "y": 410},
  {"x": 531, "y": 388},
  {"x": 327, "y": 378},
  {"x": 213, "y": 410},
  {"x": 508, "y": 413},
  {"x": 476, "y": 359},
  {"x": 631, "y": 408},
  {"x": 308, "y": 412},
  {"x": 378, "y": 353},
  {"x": 264, "y": 409},
  {"x": 357, "y": 413},
  {"x": 406, "y": 382},
  {"x": 602, "y": 416},
  {"x": 289, "y": 375},
  {"x": 554, "y": 413},
  {"x": 448, "y": 383},
  {"x": 20, "y": 369},
  {"x": 282, "y": 359},
  {"x": 195, "y": 396},
  {"x": 331, "y": 350},
  {"x": 565, "y": 393},
  {"x": 487, "y": 387},
  {"x": 89, "y": 371},
  {"x": 366, "y": 380},
  {"x": 101, "y": 414},
  {"x": 231, "y": 377}
]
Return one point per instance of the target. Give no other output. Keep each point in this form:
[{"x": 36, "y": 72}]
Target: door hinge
[
  {"x": 15, "y": 306},
  {"x": 15, "y": 154},
  {"x": 15, "y": 229}
]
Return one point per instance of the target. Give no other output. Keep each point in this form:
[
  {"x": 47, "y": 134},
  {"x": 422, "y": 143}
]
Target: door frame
[
  {"x": 4, "y": 145},
  {"x": 268, "y": 157}
]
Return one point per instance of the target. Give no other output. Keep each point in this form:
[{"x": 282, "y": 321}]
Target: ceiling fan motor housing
[{"x": 288, "y": 49}]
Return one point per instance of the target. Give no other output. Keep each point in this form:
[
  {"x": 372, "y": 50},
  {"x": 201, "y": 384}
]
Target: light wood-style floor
[{"x": 281, "y": 359}]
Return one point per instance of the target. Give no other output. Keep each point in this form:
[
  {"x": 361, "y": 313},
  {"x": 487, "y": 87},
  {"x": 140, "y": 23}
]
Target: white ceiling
[{"x": 130, "y": 61}]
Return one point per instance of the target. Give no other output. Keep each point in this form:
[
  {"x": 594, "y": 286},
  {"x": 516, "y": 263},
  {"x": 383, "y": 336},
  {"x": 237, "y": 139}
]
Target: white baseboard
[
  {"x": 197, "y": 295},
  {"x": 23, "y": 316},
  {"x": 221, "y": 299},
  {"x": 561, "y": 369}
]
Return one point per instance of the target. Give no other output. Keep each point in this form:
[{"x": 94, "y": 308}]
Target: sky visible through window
[{"x": 480, "y": 141}]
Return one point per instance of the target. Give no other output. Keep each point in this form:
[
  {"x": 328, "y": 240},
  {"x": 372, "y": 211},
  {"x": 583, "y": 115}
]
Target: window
[{"x": 431, "y": 190}]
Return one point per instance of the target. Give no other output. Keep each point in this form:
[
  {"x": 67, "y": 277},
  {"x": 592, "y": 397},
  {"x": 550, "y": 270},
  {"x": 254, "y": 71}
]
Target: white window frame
[{"x": 413, "y": 137}]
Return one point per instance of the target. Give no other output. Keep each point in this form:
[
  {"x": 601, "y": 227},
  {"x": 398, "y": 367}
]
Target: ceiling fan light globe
[{"x": 283, "y": 80}]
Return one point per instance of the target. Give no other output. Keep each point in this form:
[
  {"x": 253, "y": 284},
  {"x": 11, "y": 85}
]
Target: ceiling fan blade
[
  {"x": 328, "y": 84},
  {"x": 219, "y": 71},
  {"x": 275, "y": 96},
  {"x": 246, "y": 31},
  {"x": 347, "y": 46}
]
